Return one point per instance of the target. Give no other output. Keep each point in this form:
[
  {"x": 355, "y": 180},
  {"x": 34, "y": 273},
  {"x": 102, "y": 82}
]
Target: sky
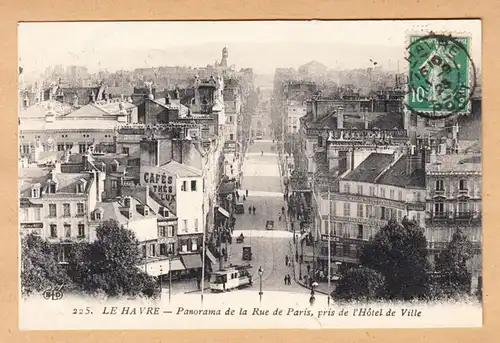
[{"x": 261, "y": 45}]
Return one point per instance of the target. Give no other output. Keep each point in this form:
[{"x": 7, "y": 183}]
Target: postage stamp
[
  {"x": 305, "y": 188},
  {"x": 441, "y": 75}
]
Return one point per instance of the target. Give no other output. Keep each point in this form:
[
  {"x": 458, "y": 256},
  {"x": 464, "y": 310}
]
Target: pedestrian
[
  {"x": 262, "y": 153},
  {"x": 286, "y": 260},
  {"x": 283, "y": 209},
  {"x": 246, "y": 192},
  {"x": 286, "y": 279},
  {"x": 289, "y": 280},
  {"x": 279, "y": 217},
  {"x": 308, "y": 268},
  {"x": 254, "y": 210},
  {"x": 250, "y": 209},
  {"x": 244, "y": 197}
]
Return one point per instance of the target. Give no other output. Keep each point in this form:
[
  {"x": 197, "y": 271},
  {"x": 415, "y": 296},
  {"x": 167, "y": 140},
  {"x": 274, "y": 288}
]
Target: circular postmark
[{"x": 441, "y": 75}]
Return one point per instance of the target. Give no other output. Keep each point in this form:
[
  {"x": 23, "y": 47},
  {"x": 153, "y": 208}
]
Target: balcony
[
  {"x": 476, "y": 246},
  {"x": 472, "y": 217}
]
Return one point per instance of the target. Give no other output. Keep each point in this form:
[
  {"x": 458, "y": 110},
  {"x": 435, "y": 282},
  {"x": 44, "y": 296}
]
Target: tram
[{"x": 231, "y": 278}]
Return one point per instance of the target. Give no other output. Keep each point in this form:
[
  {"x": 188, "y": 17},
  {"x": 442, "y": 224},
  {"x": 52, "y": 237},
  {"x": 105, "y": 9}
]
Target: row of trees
[
  {"x": 108, "y": 265},
  {"x": 394, "y": 266}
]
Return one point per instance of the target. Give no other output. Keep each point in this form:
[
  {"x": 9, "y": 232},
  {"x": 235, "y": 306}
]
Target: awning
[
  {"x": 211, "y": 257},
  {"x": 162, "y": 267},
  {"x": 223, "y": 211},
  {"x": 192, "y": 261}
]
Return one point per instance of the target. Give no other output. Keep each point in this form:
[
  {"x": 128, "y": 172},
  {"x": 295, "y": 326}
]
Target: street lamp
[
  {"x": 160, "y": 279},
  {"x": 169, "y": 278},
  {"x": 261, "y": 271}
]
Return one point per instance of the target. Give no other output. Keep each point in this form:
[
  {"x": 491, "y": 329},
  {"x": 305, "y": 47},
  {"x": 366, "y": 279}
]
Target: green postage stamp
[{"x": 441, "y": 75}]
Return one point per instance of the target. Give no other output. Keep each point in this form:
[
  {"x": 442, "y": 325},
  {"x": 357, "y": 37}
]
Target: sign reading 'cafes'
[{"x": 161, "y": 183}]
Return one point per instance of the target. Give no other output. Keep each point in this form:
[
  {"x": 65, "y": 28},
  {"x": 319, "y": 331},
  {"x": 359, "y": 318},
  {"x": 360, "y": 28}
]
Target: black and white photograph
[{"x": 250, "y": 174}]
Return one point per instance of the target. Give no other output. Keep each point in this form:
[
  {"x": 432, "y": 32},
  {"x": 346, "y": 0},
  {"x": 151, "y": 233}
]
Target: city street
[{"x": 261, "y": 178}]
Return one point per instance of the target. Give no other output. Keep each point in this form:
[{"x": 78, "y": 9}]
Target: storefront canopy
[
  {"x": 192, "y": 261},
  {"x": 223, "y": 212},
  {"x": 162, "y": 267},
  {"x": 211, "y": 257}
]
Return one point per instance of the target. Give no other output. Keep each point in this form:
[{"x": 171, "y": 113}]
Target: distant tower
[{"x": 223, "y": 62}]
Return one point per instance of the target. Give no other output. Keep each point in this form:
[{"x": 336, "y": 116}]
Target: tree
[
  {"x": 109, "y": 264},
  {"x": 361, "y": 284},
  {"x": 398, "y": 252},
  {"x": 451, "y": 266},
  {"x": 39, "y": 267}
]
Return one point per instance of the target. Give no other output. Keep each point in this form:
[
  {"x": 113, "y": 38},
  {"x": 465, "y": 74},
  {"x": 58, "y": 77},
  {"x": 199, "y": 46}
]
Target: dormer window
[
  {"x": 146, "y": 211},
  {"x": 80, "y": 186},
  {"x": 35, "y": 191},
  {"x": 97, "y": 214},
  {"x": 114, "y": 166},
  {"x": 52, "y": 188}
]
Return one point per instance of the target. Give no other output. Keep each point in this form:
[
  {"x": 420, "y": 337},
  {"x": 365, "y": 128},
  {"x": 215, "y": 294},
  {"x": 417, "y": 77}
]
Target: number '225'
[{"x": 86, "y": 310}]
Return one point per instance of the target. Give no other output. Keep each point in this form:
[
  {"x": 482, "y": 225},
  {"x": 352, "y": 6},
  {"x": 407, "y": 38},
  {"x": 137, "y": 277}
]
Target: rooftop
[
  {"x": 456, "y": 163},
  {"x": 397, "y": 175},
  {"x": 39, "y": 110},
  {"x": 181, "y": 170},
  {"x": 370, "y": 168}
]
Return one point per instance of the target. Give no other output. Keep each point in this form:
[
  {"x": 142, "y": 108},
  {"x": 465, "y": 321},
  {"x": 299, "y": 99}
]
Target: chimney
[
  {"x": 167, "y": 99},
  {"x": 314, "y": 104},
  {"x": 340, "y": 117}
]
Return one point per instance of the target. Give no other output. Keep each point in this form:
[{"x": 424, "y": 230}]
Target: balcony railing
[{"x": 452, "y": 217}]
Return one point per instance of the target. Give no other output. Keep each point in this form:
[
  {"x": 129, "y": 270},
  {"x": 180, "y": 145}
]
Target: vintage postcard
[{"x": 261, "y": 174}]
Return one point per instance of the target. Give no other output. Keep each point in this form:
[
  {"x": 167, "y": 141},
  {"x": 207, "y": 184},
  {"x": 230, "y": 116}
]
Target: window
[
  {"x": 333, "y": 211},
  {"x": 359, "y": 211},
  {"x": 439, "y": 185},
  {"x": 170, "y": 248},
  {"x": 97, "y": 215},
  {"x": 400, "y": 195},
  {"x": 103, "y": 167},
  {"x": 82, "y": 148},
  {"x": 60, "y": 147},
  {"x": 418, "y": 198},
  {"x": 125, "y": 150},
  {"x": 193, "y": 186},
  {"x": 53, "y": 231},
  {"x": 37, "y": 214},
  {"x": 170, "y": 231},
  {"x": 399, "y": 216},
  {"x": 320, "y": 142},
  {"x": 152, "y": 250},
  {"x": 340, "y": 229},
  {"x": 25, "y": 214},
  {"x": 114, "y": 184},
  {"x": 462, "y": 185},
  {"x": 35, "y": 192},
  {"x": 81, "y": 230},
  {"x": 347, "y": 209},
  {"x": 79, "y": 209},
  {"x": 79, "y": 188},
  {"x": 360, "y": 189},
  {"x": 372, "y": 191},
  {"x": 383, "y": 214},
  {"x": 162, "y": 231},
  {"x": 66, "y": 210},
  {"x": 462, "y": 207},
  {"x": 184, "y": 186},
  {"x": 184, "y": 225},
  {"x": 360, "y": 231},
  {"x": 67, "y": 230},
  {"x": 418, "y": 218},
  {"x": 52, "y": 210},
  {"x": 196, "y": 225},
  {"x": 194, "y": 244},
  {"x": 347, "y": 188},
  {"x": 391, "y": 193},
  {"x": 382, "y": 192},
  {"x": 439, "y": 208},
  {"x": 52, "y": 188},
  {"x": 114, "y": 166}
]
